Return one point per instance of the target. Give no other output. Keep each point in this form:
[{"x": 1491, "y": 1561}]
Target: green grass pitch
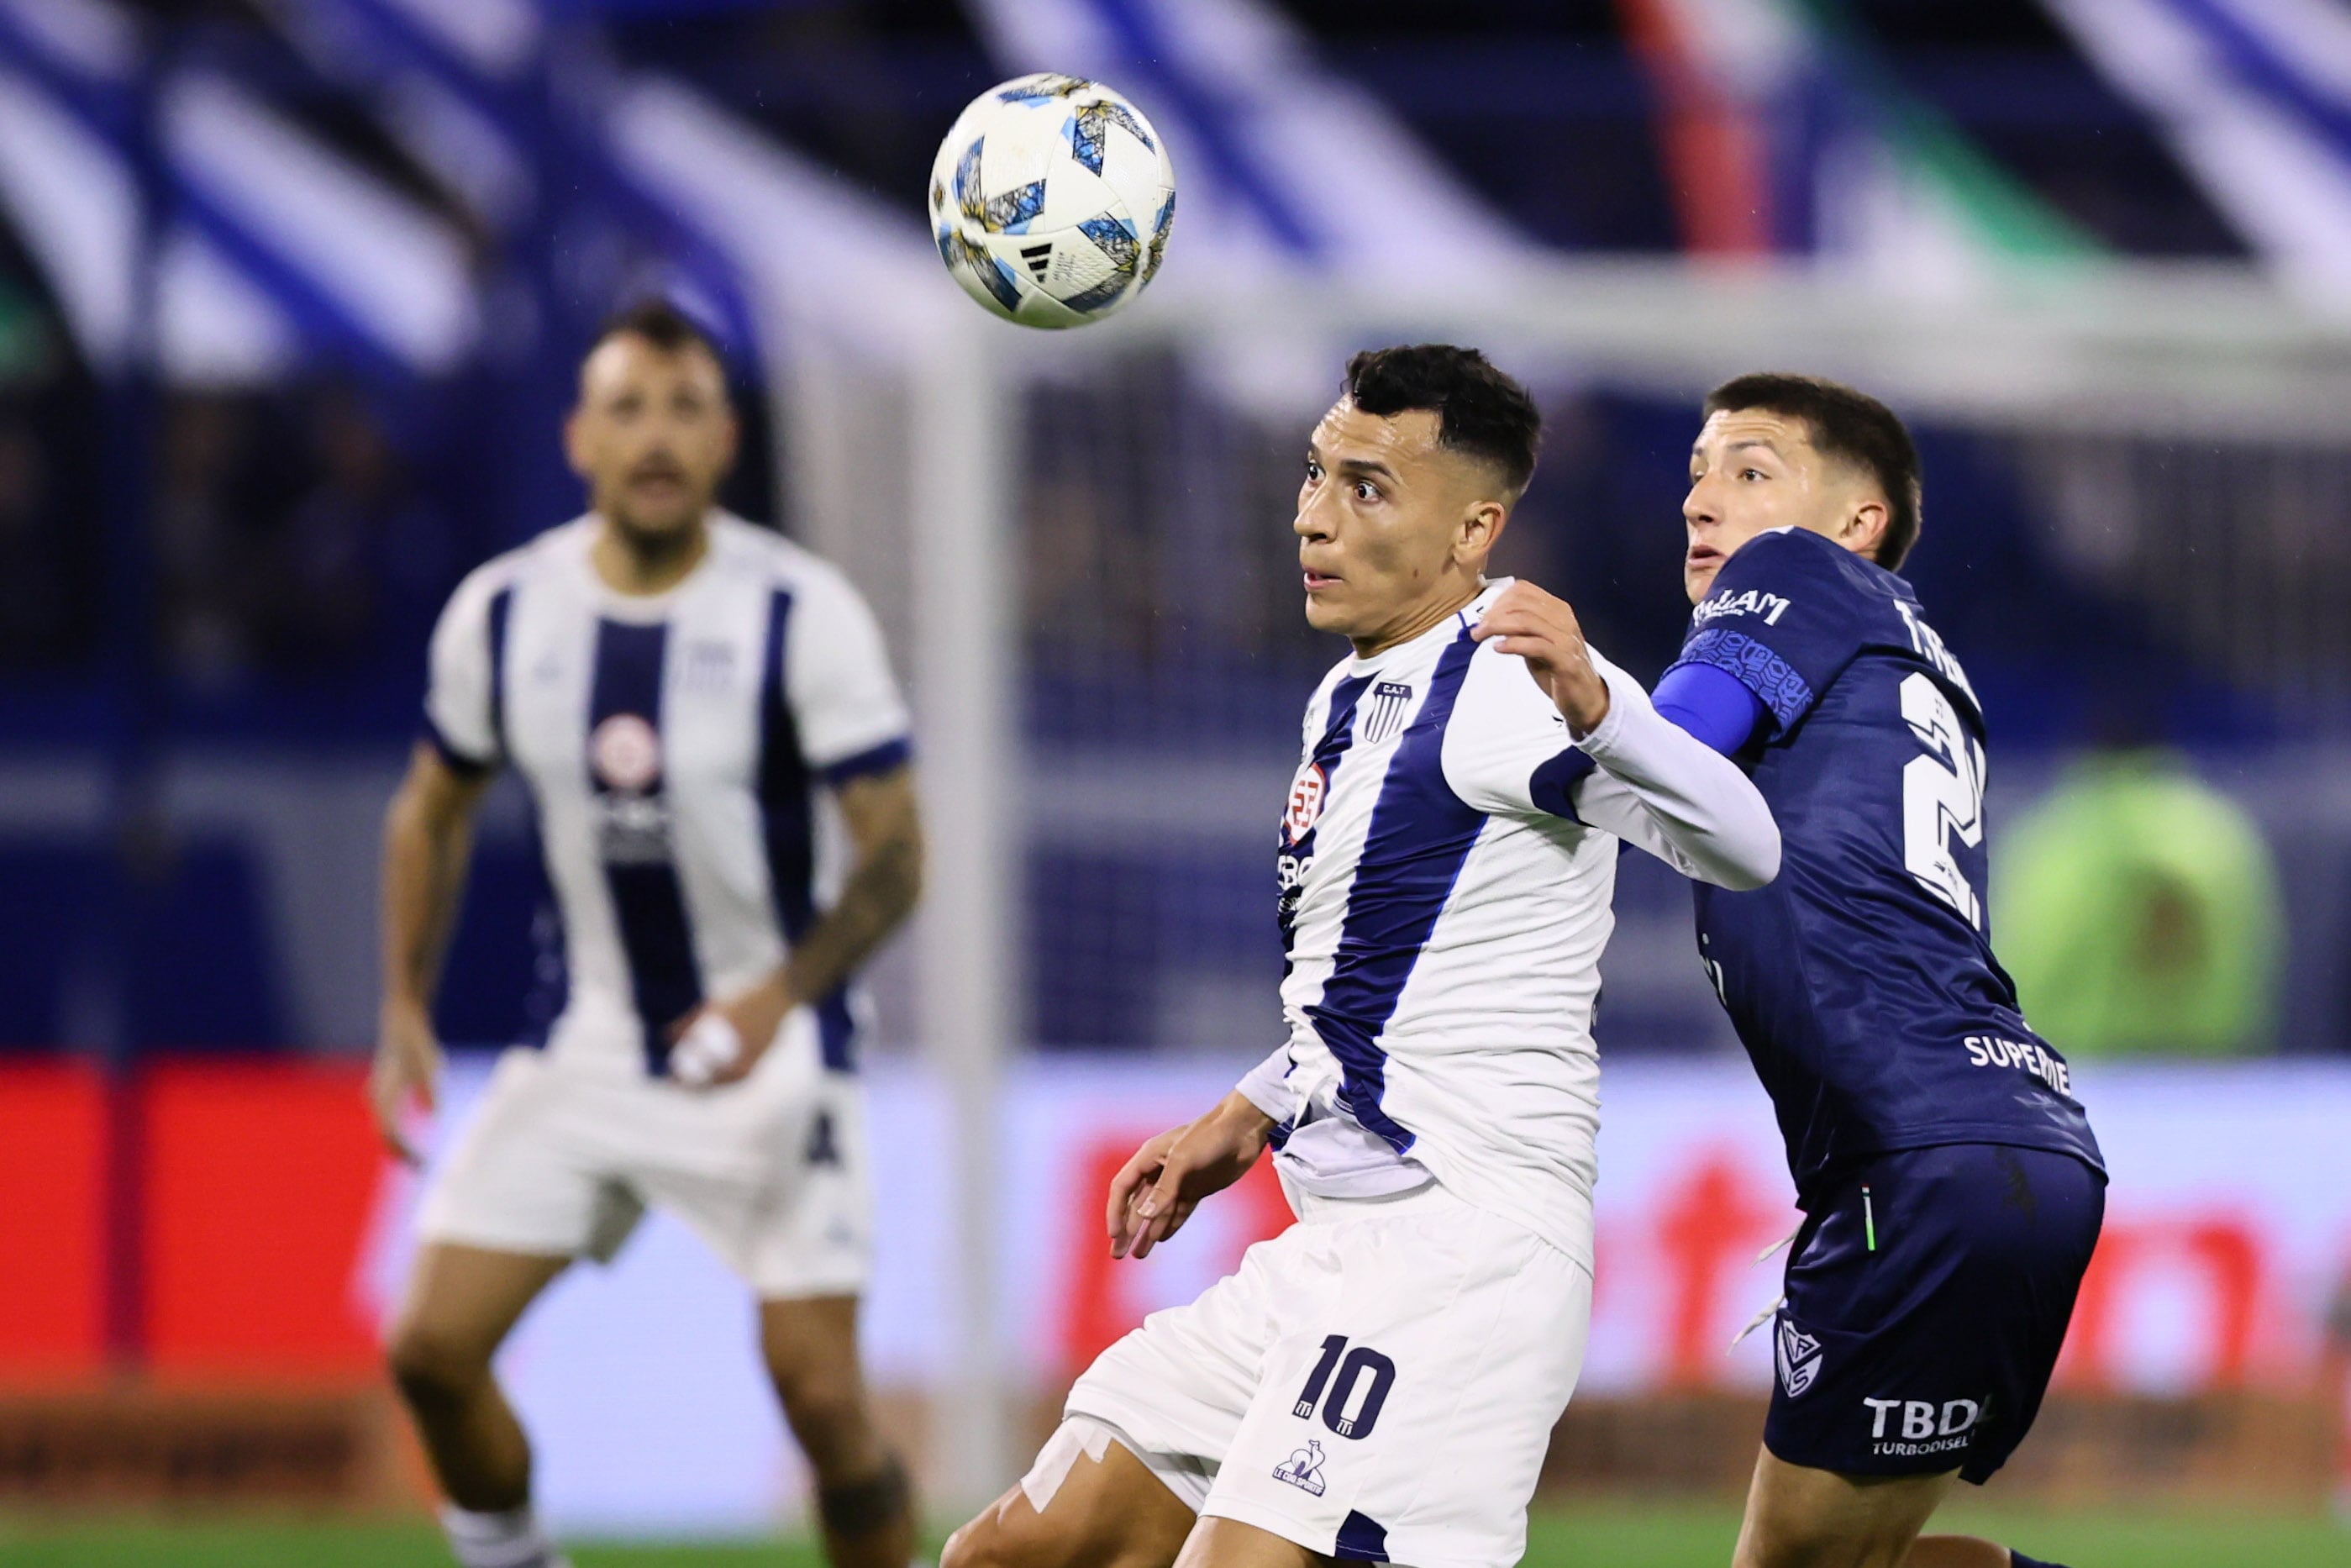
[{"x": 1616, "y": 1536}]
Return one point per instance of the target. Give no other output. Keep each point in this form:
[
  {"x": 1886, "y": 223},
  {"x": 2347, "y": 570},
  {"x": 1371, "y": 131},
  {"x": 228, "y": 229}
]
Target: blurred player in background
[
  {"x": 1951, "y": 1188},
  {"x": 672, "y": 684},
  {"x": 1380, "y": 1381}
]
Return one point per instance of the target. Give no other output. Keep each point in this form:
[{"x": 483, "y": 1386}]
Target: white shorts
[
  {"x": 770, "y": 1173},
  {"x": 1379, "y": 1382}
]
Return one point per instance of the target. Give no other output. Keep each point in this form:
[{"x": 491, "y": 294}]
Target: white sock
[{"x": 508, "y": 1540}]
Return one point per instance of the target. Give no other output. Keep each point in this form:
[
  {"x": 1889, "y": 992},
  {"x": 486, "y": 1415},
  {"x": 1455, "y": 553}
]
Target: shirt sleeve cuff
[
  {"x": 1267, "y": 1086},
  {"x": 886, "y": 758},
  {"x": 458, "y": 762}
]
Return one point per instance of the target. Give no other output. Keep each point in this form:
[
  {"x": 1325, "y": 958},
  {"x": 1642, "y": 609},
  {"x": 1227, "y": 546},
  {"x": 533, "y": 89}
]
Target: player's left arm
[
  {"x": 1630, "y": 771},
  {"x": 851, "y": 726},
  {"x": 885, "y": 834}
]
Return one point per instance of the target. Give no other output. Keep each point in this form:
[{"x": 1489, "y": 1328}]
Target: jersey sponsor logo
[
  {"x": 1906, "y": 1428},
  {"x": 2030, "y": 1056},
  {"x": 1303, "y": 1469},
  {"x": 1305, "y": 809},
  {"x": 1754, "y": 602},
  {"x": 1391, "y": 700},
  {"x": 625, "y": 752},
  {"x": 709, "y": 666},
  {"x": 1798, "y": 1355}
]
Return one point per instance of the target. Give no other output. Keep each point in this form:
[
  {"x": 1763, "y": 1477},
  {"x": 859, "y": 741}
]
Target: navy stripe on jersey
[
  {"x": 459, "y": 762},
  {"x": 648, "y": 902},
  {"x": 1420, "y": 838},
  {"x": 788, "y": 821},
  {"x": 1338, "y": 734},
  {"x": 886, "y": 758}
]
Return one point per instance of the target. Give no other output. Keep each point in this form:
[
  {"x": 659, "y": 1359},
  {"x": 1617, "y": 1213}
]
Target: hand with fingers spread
[
  {"x": 407, "y": 1067},
  {"x": 1542, "y": 629},
  {"x": 1156, "y": 1191}
]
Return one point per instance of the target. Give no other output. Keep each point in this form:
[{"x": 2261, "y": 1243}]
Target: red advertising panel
[
  {"x": 53, "y": 1197},
  {"x": 259, "y": 1181}
]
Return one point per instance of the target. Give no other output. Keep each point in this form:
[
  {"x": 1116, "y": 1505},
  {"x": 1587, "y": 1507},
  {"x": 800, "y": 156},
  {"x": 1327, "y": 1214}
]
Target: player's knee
[
  {"x": 826, "y": 1408},
  {"x": 1006, "y": 1535},
  {"x": 433, "y": 1367}
]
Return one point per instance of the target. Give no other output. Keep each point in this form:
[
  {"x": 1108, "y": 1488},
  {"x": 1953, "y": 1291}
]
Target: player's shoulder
[
  {"x": 508, "y": 570},
  {"x": 1793, "y": 579},
  {"x": 785, "y": 563},
  {"x": 1500, "y": 691}
]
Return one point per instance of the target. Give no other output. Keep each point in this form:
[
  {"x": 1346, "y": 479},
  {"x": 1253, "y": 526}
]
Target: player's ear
[
  {"x": 1481, "y": 530},
  {"x": 1865, "y": 528},
  {"x": 575, "y": 442}
]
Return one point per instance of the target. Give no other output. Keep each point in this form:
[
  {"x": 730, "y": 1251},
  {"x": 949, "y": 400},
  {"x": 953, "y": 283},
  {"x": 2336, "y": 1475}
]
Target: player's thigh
[
  {"x": 461, "y": 1303},
  {"x": 1797, "y": 1517},
  {"x": 1089, "y": 1503},
  {"x": 528, "y": 1174},
  {"x": 776, "y": 1184},
  {"x": 1403, "y": 1412}
]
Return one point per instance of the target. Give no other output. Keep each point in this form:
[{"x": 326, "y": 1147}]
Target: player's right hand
[
  {"x": 407, "y": 1067},
  {"x": 1156, "y": 1190}
]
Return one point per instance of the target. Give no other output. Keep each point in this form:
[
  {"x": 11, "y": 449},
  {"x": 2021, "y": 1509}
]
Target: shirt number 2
[{"x": 1942, "y": 796}]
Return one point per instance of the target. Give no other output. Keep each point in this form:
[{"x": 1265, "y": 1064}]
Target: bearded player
[
  {"x": 1951, "y": 1188},
  {"x": 675, "y": 686},
  {"x": 1380, "y": 1382}
]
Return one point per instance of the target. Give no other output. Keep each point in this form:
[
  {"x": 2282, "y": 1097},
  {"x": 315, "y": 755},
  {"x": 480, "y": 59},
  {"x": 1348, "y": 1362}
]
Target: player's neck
[
  {"x": 1438, "y": 607},
  {"x": 644, "y": 565}
]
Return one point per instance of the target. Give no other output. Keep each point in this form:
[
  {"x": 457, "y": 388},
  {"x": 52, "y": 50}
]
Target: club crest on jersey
[
  {"x": 1305, "y": 807},
  {"x": 625, "y": 753},
  {"x": 1799, "y": 1357},
  {"x": 1390, "y": 701},
  {"x": 1303, "y": 1469}
]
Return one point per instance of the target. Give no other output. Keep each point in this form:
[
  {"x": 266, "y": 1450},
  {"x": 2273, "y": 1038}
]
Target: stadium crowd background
[{"x": 290, "y": 293}]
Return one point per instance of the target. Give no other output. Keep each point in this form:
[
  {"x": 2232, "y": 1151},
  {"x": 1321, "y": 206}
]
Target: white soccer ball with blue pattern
[{"x": 1051, "y": 200}]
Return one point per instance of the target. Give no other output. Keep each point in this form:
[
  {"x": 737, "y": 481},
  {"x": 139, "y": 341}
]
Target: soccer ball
[{"x": 1051, "y": 199}]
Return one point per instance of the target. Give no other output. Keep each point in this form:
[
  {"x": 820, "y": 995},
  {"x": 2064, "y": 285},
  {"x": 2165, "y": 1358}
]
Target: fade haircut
[
  {"x": 1846, "y": 426},
  {"x": 1481, "y": 413},
  {"x": 663, "y": 325}
]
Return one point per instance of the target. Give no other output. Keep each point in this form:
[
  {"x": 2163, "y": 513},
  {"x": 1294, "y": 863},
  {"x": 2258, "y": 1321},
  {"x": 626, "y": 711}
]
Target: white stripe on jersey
[
  {"x": 1444, "y": 910},
  {"x": 672, "y": 744}
]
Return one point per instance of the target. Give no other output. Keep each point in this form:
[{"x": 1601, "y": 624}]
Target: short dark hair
[
  {"x": 1480, "y": 411},
  {"x": 1849, "y": 426},
  {"x": 659, "y": 323}
]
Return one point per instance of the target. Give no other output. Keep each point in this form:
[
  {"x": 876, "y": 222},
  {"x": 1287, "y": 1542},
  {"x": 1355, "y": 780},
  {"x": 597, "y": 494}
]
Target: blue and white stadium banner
[
  {"x": 2254, "y": 95},
  {"x": 1279, "y": 160}
]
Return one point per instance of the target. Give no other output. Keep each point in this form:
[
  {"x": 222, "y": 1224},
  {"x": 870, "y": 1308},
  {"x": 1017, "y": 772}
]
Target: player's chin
[
  {"x": 1324, "y": 614},
  {"x": 1699, "y": 580}
]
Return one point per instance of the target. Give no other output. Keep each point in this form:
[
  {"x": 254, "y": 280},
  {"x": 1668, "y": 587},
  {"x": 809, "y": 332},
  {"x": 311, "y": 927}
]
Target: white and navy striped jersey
[
  {"x": 1447, "y": 861},
  {"x": 673, "y": 744}
]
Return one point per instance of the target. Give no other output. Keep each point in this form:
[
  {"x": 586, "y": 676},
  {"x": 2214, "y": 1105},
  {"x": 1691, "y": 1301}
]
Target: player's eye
[
  {"x": 1751, "y": 473},
  {"x": 1366, "y": 491},
  {"x": 1313, "y": 471}
]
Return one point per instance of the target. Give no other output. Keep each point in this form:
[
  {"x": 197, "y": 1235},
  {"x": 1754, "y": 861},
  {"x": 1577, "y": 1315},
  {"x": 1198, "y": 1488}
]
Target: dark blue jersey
[{"x": 1862, "y": 980}]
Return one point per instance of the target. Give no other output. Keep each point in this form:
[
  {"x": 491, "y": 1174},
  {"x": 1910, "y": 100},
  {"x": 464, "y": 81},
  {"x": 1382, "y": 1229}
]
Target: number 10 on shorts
[{"x": 1361, "y": 1363}]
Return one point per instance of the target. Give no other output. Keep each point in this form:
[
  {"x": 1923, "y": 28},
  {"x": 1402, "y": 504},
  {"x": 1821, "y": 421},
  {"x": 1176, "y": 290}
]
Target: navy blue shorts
[{"x": 1923, "y": 1320}]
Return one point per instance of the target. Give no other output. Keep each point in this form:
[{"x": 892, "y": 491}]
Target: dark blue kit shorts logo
[{"x": 1922, "y": 1322}]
